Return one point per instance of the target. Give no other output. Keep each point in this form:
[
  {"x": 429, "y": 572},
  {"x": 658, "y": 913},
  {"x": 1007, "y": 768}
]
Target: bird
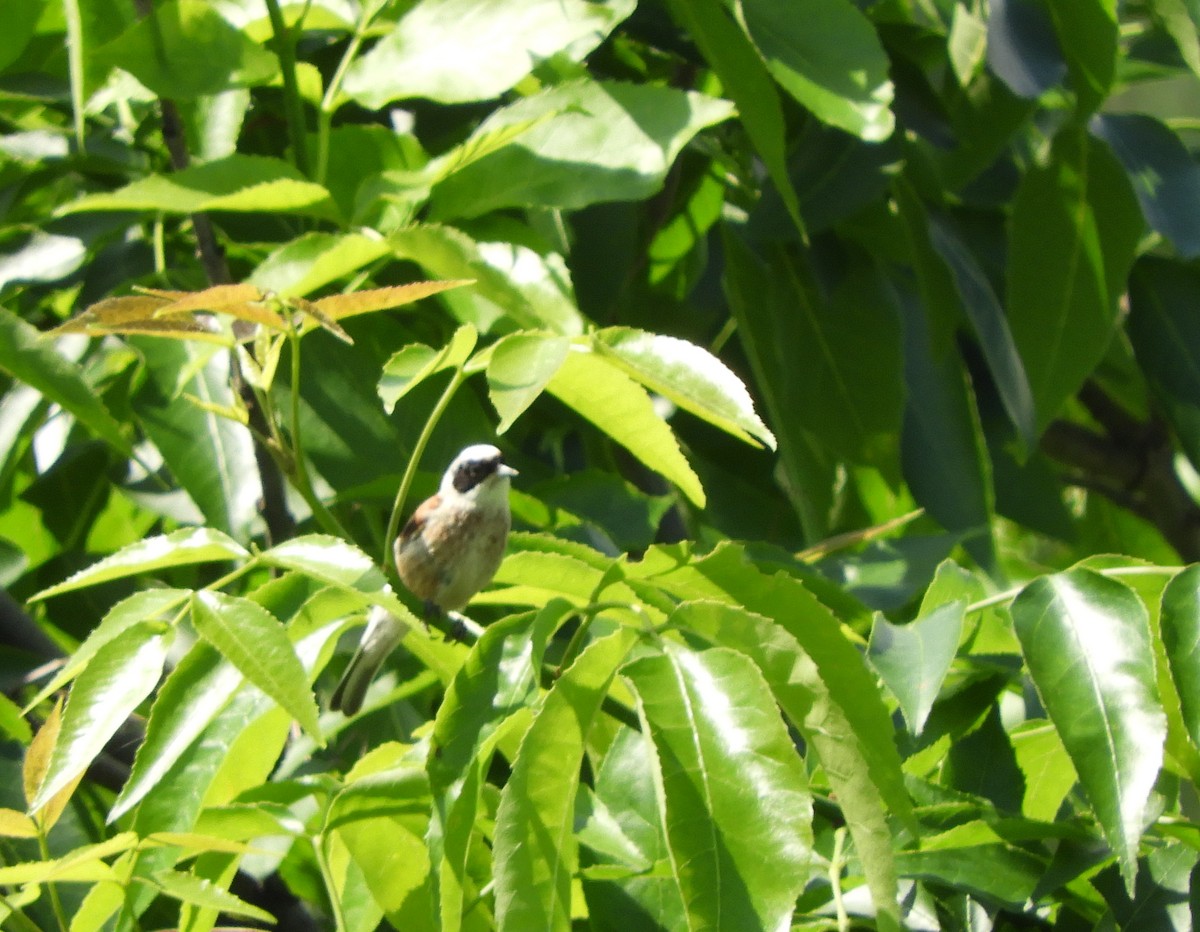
[{"x": 450, "y": 548}]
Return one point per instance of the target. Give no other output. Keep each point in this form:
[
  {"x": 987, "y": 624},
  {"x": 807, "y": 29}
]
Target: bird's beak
[{"x": 505, "y": 470}]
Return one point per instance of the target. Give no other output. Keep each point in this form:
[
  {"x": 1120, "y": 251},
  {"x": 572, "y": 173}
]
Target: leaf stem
[
  {"x": 410, "y": 471},
  {"x": 297, "y": 469},
  {"x": 329, "y": 99},
  {"x": 836, "y": 864},
  {"x": 55, "y": 902},
  {"x": 1008, "y": 595},
  {"x": 293, "y": 104}
]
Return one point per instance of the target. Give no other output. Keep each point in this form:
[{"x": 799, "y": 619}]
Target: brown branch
[{"x": 1132, "y": 463}]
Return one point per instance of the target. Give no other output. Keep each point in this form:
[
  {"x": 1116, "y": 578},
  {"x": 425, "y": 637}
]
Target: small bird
[{"x": 450, "y": 548}]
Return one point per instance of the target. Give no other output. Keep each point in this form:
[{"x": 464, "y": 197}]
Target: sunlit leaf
[
  {"x": 120, "y": 675},
  {"x": 734, "y": 791},
  {"x": 535, "y": 848},
  {"x": 1086, "y": 639},
  {"x": 254, "y": 641},
  {"x": 690, "y": 376}
]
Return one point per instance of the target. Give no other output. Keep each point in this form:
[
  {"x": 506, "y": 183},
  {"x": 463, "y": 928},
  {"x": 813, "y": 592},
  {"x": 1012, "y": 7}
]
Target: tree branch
[{"x": 1132, "y": 463}]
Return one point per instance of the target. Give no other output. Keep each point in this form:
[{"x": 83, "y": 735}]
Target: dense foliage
[{"x": 849, "y": 355}]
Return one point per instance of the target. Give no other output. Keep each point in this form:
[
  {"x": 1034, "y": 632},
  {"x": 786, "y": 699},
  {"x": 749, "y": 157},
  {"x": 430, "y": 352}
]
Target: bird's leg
[
  {"x": 458, "y": 627},
  {"x": 430, "y": 611}
]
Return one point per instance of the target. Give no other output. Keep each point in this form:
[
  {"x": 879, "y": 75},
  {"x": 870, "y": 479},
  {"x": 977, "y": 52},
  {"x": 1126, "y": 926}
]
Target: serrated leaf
[
  {"x": 179, "y": 548},
  {"x": 620, "y": 407},
  {"x": 688, "y": 375},
  {"x": 519, "y": 368},
  {"x": 329, "y": 559},
  {"x": 341, "y": 306},
  {"x": 414, "y": 363},
  {"x": 808, "y": 701},
  {"x": 237, "y": 183},
  {"x": 192, "y": 695},
  {"x": 255, "y": 642},
  {"x": 499, "y": 676},
  {"x": 83, "y": 864},
  {"x": 27, "y": 357},
  {"x": 199, "y": 891},
  {"x": 15, "y": 824},
  {"x": 734, "y": 791},
  {"x": 535, "y": 848},
  {"x": 913, "y": 659},
  {"x": 148, "y": 605},
  {"x": 1086, "y": 640},
  {"x": 120, "y": 675}
]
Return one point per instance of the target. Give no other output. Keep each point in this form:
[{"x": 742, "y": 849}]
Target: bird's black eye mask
[{"x": 473, "y": 472}]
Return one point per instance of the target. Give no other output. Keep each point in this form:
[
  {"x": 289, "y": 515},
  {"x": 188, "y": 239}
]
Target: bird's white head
[{"x": 478, "y": 472}]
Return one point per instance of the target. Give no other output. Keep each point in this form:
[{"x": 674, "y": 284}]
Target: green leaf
[
  {"x": 210, "y": 455},
  {"x": 530, "y": 288},
  {"x": 120, "y": 675},
  {"x": 601, "y": 142},
  {"x": 302, "y": 265},
  {"x": 46, "y": 257},
  {"x": 600, "y": 392},
  {"x": 991, "y": 327},
  {"x": 734, "y": 791},
  {"x": 148, "y": 605},
  {"x": 447, "y": 50},
  {"x": 766, "y": 324},
  {"x": 846, "y": 358},
  {"x": 411, "y": 365},
  {"x": 519, "y": 368},
  {"x": 809, "y": 702},
  {"x": 534, "y": 846},
  {"x": 1165, "y": 332},
  {"x": 192, "y": 695},
  {"x": 338, "y": 563},
  {"x": 184, "y": 49},
  {"x": 726, "y": 575},
  {"x": 913, "y": 659},
  {"x": 1086, "y": 640},
  {"x": 1007, "y": 873},
  {"x": 826, "y": 54},
  {"x": 381, "y": 819},
  {"x": 942, "y": 447},
  {"x": 499, "y": 677},
  {"x": 1181, "y": 637},
  {"x": 1022, "y": 48},
  {"x": 255, "y": 642},
  {"x": 1088, "y": 33},
  {"x": 1075, "y": 224},
  {"x": 1181, "y": 21},
  {"x": 626, "y": 799},
  {"x": 27, "y": 357},
  {"x": 82, "y": 864},
  {"x": 237, "y": 183},
  {"x": 197, "y": 891},
  {"x": 745, "y": 79},
  {"x": 688, "y": 375},
  {"x": 1046, "y": 767},
  {"x": 1164, "y": 175},
  {"x": 184, "y": 547}
]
